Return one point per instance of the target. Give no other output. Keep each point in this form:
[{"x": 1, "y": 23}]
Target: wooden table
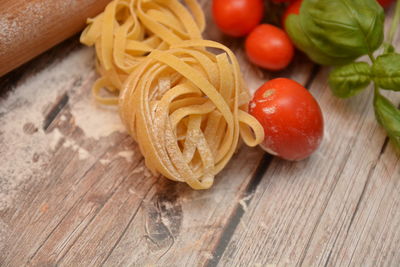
[{"x": 74, "y": 190}]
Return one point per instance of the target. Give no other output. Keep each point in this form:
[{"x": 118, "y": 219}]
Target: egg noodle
[{"x": 185, "y": 106}]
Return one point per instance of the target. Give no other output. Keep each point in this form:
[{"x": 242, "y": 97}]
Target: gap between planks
[
  {"x": 54, "y": 231},
  {"x": 84, "y": 235},
  {"x": 341, "y": 211},
  {"x": 241, "y": 208}
]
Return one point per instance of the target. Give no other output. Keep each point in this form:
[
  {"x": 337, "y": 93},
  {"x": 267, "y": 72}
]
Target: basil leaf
[
  {"x": 303, "y": 43},
  {"x": 343, "y": 28},
  {"x": 349, "y": 80},
  {"x": 388, "y": 48},
  {"x": 386, "y": 71},
  {"x": 388, "y": 116}
]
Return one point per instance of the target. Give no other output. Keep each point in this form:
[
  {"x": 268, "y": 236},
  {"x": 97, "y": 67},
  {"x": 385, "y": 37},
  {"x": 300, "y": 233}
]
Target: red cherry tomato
[
  {"x": 269, "y": 47},
  {"x": 291, "y": 117},
  {"x": 293, "y": 8},
  {"x": 237, "y": 17},
  {"x": 385, "y": 3},
  {"x": 282, "y": 1}
]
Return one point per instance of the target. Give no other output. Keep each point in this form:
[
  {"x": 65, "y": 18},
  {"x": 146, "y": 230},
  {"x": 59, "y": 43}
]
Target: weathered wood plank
[
  {"x": 373, "y": 237},
  {"x": 79, "y": 192},
  {"x": 336, "y": 208},
  {"x": 70, "y": 165},
  {"x": 308, "y": 206},
  {"x": 176, "y": 206},
  {"x": 201, "y": 216},
  {"x": 343, "y": 204}
]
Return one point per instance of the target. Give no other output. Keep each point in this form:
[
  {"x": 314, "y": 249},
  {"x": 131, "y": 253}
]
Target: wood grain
[
  {"x": 84, "y": 202},
  {"x": 373, "y": 237},
  {"x": 336, "y": 208},
  {"x": 106, "y": 209},
  {"x": 90, "y": 201}
]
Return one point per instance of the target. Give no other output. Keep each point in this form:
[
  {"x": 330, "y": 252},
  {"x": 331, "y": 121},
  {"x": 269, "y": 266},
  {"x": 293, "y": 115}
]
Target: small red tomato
[
  {"x": 291, "y": 118},
  {"x": 385, "y": 3},
  {"x": 269, "y": 47},
  {"x": 282, "y": 1},
  {"x": 237, "y": 17},
  {"x": 293, "y": 8}
]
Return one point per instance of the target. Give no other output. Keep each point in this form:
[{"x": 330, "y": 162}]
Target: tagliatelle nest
[
  {"x": 128, "y": 30},
  {"x": 185, "y": 106}
]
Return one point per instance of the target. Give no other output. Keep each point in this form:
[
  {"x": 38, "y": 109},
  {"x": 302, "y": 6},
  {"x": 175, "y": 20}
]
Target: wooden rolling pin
[{"x": 30, "y": 27}]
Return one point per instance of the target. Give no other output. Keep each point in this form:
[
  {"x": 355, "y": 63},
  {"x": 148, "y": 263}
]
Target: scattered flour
[
  {"x": 33, "y": 94},
  {"x": 82, "y": 153},
  {"x": 25, "y": 23},
  {"x": 105, "y": 161},
  {"x": 208, "y": 255},
  {"x": 24, "y": 155},
  {"x": 96, "y": 121},
  {"x": 269, "y": 110},
  {"x": 55, "y": 139},
  {"x": 263, "y": 226},
  {"x": 127, "y": 155},
  {"x": 138, "y": 169},
  {"x": 243, "y": 203}
]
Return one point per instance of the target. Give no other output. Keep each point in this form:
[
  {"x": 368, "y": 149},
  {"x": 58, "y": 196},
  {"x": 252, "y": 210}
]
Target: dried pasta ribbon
[
  {"x": 128, "y": 30},
  {"x": 186, "y": 108}
]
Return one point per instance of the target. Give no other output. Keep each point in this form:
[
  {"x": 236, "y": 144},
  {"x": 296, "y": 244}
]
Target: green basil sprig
[
  {"x": 303, "y": 43},
  {"x": 350, "y": 79},
  {"x": 386, "y": 71},
  {"x": 388, "y": 116},
  {"x": 335, "y": 32}
]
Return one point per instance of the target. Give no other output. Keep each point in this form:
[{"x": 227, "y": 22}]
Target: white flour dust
[
  {"x": 104, "y": 161},
  {"x": 25, "y": 153},
  {"x": 127, "y": 155},
  {"x": 95, "y": 120},
  {"x": 26, "y": 23},
  {"x": 82, "y": 153},
  {"x": 55, "y": 138},
  {"x": 269, "y": 110}
]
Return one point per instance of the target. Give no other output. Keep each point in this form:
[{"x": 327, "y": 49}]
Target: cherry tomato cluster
[
  {"x": 266, "y": 45},
  {"x": 291, "y": 117}
]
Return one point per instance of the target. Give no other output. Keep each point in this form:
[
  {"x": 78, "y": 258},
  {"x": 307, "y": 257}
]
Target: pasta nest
[
  {"x": 185, "y": 106},
  {"x": 128, "y": 30}
]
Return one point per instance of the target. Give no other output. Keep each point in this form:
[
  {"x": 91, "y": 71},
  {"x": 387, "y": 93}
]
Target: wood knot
[
  {"x": 164, "y": 218},
  {"x": 29, "y": 128}
]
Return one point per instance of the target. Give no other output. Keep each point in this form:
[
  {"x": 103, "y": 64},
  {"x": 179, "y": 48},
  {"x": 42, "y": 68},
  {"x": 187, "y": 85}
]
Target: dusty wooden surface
[{"x": 74, "y": 190}]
